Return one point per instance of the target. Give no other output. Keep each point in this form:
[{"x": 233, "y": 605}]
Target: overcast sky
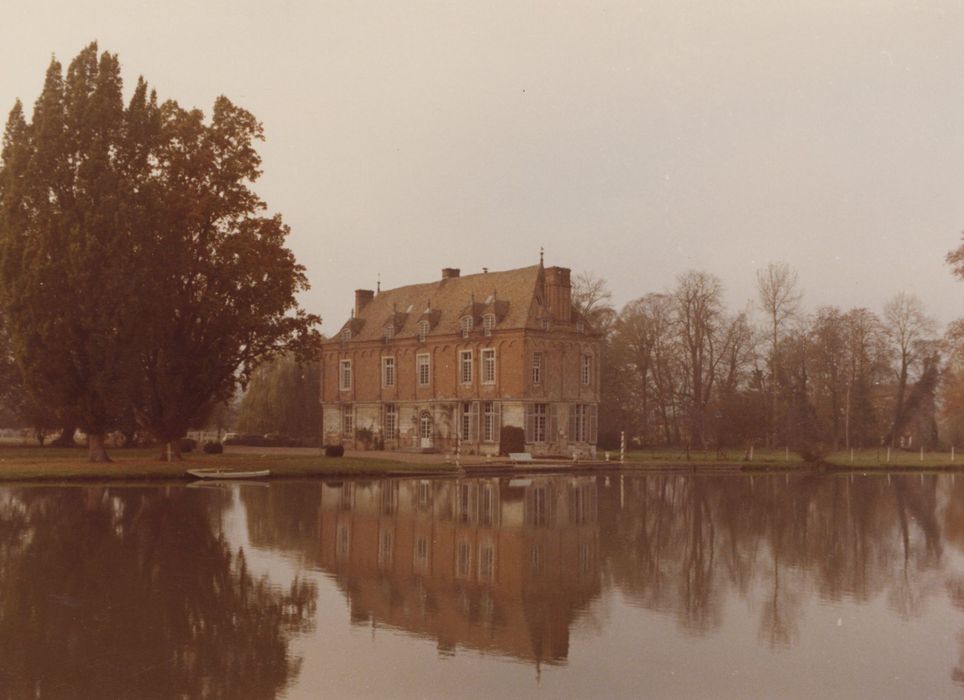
[{"x": 635, "y": 140}]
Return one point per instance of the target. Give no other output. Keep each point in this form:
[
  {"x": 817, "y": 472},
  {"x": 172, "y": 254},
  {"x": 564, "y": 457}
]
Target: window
[
  {"x": 422, "y": 331},
  {"x": 343, "y": 537},
  {"x": 348, "y": 420},
  {"x": 586, "y": 370},
  {"x": 463, "y": 561},
  {"x": 579, "y": 422},
  {"x": 390, "y": 421},
  {"x": 488, "y": 366},
  {"x": 469, "y": 421},
  {"x": 389, "y": 331},
  {"x": 346, "y": 334},
  {"x": 421, "y": 553},
  {"x": 537, "y": 368},
  {"x": 487, "y": 505},
  {"x": 488, "y": 323},
  {"x": 546, "y": 324},
  {"x": 466, "y": 326},
  {"x": 424, "y": 494},
  {"x": 486, "y": 561},
  {"x": 386, "y": 548},
  {"x": 537, "y": 415},
  {"x": 537, "y": 506},
  {"x": 422, "y": 368},
  {"x": 344, "y": 376},
  {"x": 388, "y": 372},
  {"x": 490, "y": 421},
  {"x": 465, "y": 366}
]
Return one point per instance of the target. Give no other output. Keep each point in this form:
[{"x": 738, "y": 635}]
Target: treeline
[
  {"x": 283, "y": 398},
  {"x": 679, "y": 369},
  {"x": 140, "y": 280}
]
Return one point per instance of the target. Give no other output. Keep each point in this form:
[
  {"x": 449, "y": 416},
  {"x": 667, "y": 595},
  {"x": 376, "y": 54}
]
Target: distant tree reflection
[{"x": 133, "y": 593}]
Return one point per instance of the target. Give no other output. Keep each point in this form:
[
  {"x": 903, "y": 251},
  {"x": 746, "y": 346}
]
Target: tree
[
  {"x": 283, "y": 397},
  {"x": 222, "y": 286},
  {"x": 780, "y": 301},
  {"x": 955, "y": 259},
  {"x": 907, "y": 326},
  {"x": 68, "y": 246}
]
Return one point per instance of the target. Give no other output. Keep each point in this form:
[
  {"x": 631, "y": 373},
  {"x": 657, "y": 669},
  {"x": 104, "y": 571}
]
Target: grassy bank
[
  {"x": 861, "y": 459},
  {"x": 36, "y": 464}
]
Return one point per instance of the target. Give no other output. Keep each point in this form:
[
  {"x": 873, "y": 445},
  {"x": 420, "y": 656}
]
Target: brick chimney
[
  {"x": 558, "y": 292},
  {"x": 362, "y": 297},
  {"x": 450, "y": 273}
]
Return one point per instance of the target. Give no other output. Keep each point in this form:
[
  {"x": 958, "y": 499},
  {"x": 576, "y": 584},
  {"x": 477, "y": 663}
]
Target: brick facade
[{"x": 479, "y": 336}]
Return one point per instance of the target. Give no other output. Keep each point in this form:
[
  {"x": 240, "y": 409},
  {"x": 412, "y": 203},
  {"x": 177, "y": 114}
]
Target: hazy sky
[{"x": 635, "y": 140}]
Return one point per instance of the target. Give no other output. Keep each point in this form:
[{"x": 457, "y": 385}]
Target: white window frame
[
  {"x": 546, "y": 324},
  {"x": 469, "y": 421},
  {"x": 537, "y": 368},
  {"x": 344, "y": 375},
  {"x": 491, "y": 414},
  {"x": 427, "y": 365},
  {"x": 465, "y": 325},
  {"x": 348, "y": 419},
  {"x": 346, "y": 334},
  {"x": 389, "y": 421},
  {"x": 422, "y": 331},
  {"x": 537, "y": 423},
  {"x": 389, "y": 331},
  {"x": 466, "y": 360},
  {"x": 579, "y": 422},
  {"x": 488, "y": 365},
  {"x": 488, "y": 323},
  {"x": 586, "y": 370},
  {"x": 388, "y": 372}
]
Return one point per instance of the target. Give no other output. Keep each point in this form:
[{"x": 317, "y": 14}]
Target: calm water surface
[{"x": 617, "y": 585}]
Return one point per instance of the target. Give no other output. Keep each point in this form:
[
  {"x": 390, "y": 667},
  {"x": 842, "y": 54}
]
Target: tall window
[
  {"x": 388, "y": 372},
  {"x": 488, "y": 323},
  {"x": 390, "y": 421},
  {"x": 463, "y": 559},
  {"x": 422, "y": 368},
  {"x": 348, "y": 419},
  {"x": 469, "y": 421},
  {"x": 344, "y": 375},
  {"x": 486, "y": 561},
  {"x": 537, "y": 368},
  {"x": 389, "y": 331},
  {"x": 386, "y": 548},
  {"x": 586, "y": 370},
  {"x": 579, "y": 422},
  {"x": 490, "y": 421},
  {"x": 466, "y": 325},
  {"x": 346, "y": 334},
  {"x": 537, "y": 418},
  {"x": 546, "y": 324},
  {"x": 422, "y": 331},
  {"x": 465, "y": 366},
  {"x": 488, "y": 366}
]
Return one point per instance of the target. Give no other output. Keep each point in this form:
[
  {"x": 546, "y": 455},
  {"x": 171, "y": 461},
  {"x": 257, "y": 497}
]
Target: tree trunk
[
  {"x": 66, "y": 438},
  {"x": 96, "y": 450},
  {"x": 172, "y": 451}
]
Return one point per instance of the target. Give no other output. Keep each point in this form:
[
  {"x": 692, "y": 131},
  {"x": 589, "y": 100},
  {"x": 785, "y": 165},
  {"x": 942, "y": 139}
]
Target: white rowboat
[{"x": 229, "y": 473}]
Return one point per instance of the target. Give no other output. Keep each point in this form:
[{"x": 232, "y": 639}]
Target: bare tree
[
  {"x": 592, "y": 299},
  {"x": 780, "y": 300},
  {"x": 907, "y": 326}
]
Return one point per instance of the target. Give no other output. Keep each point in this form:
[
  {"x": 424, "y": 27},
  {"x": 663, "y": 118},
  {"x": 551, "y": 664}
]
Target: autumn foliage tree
[{"x": 137, "y": 266}]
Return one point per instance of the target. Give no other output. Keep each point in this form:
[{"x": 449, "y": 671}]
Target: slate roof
[{"x": 514, "y": 296}]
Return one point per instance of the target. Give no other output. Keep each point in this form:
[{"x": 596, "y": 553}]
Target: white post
[
  {"x": 622, "y": 446},
  {"x": 751, "y": 451}
]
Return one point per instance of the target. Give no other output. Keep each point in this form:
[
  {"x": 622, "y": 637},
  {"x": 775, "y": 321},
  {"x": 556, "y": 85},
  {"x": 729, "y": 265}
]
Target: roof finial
[
  {"x": 378, "y": 283},
  {"x": 540, "y": 256}
]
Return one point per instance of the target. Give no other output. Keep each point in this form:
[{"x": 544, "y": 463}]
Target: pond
[{"x": 558, "y": 586}]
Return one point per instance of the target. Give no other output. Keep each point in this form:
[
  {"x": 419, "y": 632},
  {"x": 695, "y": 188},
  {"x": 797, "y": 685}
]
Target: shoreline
[{"x": 34, "y": 465}]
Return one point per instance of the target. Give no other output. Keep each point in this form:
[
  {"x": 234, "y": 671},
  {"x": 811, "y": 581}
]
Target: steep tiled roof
[{"x": 511, "y": 295}]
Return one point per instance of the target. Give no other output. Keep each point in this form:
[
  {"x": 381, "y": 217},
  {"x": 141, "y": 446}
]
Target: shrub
[
  {"x": 334, "y": 450},
  {"x": 188, "y": 444},
  {"x": 213, "y": 448},
  {"x": 365, "y": 436},
  {"x": 511, "y": 439}
]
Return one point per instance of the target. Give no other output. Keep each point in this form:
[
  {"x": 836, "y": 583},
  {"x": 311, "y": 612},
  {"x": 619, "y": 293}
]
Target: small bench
[{"x": 520, "y": 457}]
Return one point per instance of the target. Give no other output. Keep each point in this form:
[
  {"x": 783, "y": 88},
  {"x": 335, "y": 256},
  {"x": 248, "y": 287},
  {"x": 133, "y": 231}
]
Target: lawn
[
  {"x": 862, "y": 459},
  {"x": 35, "y": 463}
]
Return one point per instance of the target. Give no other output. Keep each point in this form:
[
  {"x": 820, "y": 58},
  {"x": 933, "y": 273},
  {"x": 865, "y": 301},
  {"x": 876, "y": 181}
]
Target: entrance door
[{"x": 425, "y": 429}]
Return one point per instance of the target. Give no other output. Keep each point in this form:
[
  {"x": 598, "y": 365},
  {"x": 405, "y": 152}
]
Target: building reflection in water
[{"x": 500, "y": 565}]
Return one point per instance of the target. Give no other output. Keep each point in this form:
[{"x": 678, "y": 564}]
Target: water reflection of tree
[
  {"x": 683, "y": 542},
  {"x": 131, "y": 593}
]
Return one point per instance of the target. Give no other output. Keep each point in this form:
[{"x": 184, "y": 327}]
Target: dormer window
[
  {"x": 346, "y": 334},
  {"x": 389, "y": 331},
  {"x": 488, "y": 323},
  {"x": 546, "y": 324},
  {"x": 466, "y": 325},
  {"x": 422, "y": 331}
]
